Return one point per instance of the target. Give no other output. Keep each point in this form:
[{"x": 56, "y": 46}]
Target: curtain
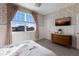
[
  {"x": 35, "y": 16},
  {"x": 11, "y": 11}
]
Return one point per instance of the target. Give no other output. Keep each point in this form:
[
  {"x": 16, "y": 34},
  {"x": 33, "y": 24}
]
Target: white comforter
[{"x": 28, "y": 48}]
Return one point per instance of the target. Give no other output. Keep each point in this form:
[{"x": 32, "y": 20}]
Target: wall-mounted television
[{"x": 66, "y": 21}]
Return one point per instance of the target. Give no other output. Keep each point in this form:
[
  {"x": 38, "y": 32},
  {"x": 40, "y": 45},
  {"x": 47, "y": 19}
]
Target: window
[{"x": 23, "y": 22}]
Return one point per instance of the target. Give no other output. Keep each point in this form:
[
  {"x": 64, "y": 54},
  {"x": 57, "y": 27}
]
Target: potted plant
[{"x": 60, "y": 31}]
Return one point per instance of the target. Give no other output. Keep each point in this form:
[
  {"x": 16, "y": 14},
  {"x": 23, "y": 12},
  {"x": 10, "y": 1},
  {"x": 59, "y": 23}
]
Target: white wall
[
  {"x": 22, "y": 36},
  {"x": 49, "y": 22},
  {"x": 51, "y": 28}
]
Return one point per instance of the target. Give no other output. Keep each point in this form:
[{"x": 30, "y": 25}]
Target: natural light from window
[{"x": 23, "y": 22}]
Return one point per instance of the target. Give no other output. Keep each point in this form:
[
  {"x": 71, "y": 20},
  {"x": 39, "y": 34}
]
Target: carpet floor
[{"x": 58, "y": 49}]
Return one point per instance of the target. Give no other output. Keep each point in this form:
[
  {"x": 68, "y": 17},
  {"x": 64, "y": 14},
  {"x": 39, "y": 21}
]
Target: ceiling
[{"x": 45, "y": 8}]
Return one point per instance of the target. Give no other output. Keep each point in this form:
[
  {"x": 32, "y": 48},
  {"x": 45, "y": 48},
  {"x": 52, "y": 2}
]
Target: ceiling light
[{"x": 38, "y": 4}]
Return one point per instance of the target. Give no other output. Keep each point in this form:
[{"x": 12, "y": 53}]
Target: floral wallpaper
[{"x": 3, "y": 14}]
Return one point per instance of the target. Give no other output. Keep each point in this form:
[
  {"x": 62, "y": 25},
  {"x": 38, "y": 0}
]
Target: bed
[{"x": 26, "y": 48}]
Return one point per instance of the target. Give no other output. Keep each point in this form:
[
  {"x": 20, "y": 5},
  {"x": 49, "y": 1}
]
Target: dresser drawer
[{"x": 62, "y": 39}]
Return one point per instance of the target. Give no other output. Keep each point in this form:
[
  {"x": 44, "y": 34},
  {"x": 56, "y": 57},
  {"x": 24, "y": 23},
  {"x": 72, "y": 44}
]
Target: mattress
[{"x": 27, "y": 48}]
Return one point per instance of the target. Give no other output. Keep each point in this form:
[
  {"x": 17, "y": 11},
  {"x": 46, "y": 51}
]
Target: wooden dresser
[{"x": 65, "y": 40}]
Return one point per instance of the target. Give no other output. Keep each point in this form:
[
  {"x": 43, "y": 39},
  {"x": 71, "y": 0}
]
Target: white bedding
[{"x": 28, "y": 48}]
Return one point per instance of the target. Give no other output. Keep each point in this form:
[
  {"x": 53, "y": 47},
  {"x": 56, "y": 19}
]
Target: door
[{"x": 77, "y": 31}]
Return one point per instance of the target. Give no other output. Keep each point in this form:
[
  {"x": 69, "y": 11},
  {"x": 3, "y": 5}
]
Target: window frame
[{"x": 25, "y": 20}]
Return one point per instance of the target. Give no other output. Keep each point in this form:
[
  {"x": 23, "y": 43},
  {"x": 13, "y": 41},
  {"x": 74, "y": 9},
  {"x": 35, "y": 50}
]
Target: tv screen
[{"x": 66, "y": 21}]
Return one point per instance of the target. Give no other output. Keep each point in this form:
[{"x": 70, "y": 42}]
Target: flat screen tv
[{"x": 66, "y": 21}]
